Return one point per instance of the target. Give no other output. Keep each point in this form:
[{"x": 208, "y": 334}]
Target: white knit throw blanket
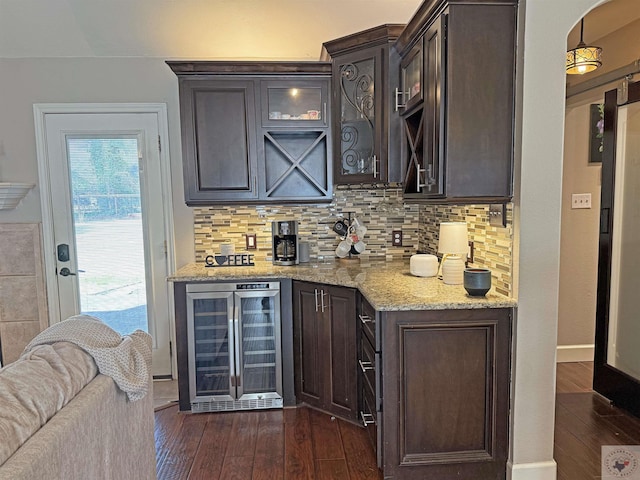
[{"x": 126, "y": 359}]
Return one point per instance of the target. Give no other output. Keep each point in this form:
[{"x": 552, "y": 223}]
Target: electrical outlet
[
  {"x": 581, "y": 200},
  {"x": 396, "y": 238}
]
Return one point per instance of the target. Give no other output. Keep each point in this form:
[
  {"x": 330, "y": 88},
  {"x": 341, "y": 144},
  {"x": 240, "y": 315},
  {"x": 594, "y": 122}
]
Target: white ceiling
[
  {"x": 603, "y": 20},
  {"x": 198, "y": 29}
]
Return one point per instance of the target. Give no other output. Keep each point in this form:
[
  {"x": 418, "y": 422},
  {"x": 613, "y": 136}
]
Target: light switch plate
[
  {"x": 498, "y": 215},
  {"x": 251, "y": 241},
  {"x": 581, "y": 200}
]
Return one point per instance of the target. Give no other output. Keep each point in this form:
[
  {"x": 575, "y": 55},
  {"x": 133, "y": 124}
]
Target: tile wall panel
[
  {"x": 380, "y": 210},
  {"x": 492, "y": 245},
  {"x": 23, "y": 299}
]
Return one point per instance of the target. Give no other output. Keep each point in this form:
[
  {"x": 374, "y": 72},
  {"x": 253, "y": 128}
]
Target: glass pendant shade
[{"x": 583, "y": 58}]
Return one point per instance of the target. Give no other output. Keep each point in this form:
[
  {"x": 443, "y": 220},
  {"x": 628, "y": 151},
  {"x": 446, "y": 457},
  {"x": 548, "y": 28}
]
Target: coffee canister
[{"x": 303, "y": 252}]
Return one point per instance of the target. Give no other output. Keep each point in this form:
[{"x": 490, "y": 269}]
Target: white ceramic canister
[
  {"x": 423, "y": 265},
  {"x": 227, "y": 249}
]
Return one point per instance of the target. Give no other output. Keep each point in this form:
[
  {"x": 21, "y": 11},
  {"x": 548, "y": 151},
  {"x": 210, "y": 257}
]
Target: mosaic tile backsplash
[{"x": 380, "y": 210}]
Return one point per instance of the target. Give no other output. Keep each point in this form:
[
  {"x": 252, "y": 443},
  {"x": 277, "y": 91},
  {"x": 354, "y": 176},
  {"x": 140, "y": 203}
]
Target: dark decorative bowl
[{"x": 477, "y": 281}]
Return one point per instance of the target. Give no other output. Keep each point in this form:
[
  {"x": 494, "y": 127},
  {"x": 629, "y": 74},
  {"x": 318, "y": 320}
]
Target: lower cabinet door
[
  {"x": 340, "y": 330},
  {"x": 325, "y": 351},
  {"x": 446, "y": 394},
  {"x": 308, "y": 341}
]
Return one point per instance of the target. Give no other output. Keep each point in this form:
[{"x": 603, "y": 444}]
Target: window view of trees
[{"x": 105, "y": 178}]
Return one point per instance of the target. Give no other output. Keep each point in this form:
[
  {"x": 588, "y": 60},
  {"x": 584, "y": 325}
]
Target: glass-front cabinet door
[
  {"x": 358, "y": 114},
  {"x": 411, "y": 89},
  {"x": 258, "y": 354},
  {"x": 212, "y": 356},
  {"x": 294, "y": 103}
]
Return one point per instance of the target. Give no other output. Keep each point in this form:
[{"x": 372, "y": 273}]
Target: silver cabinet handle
[
  {"x": 315, "y": 292},
  {"x": 232, "y": 355},
  {"x": 431, "y": 179},
  {"x": 365, "y": 319},
  {"x": 418, "y": 172},
  {"x": 322, "y": 305},
  {"x": 238, "y": 340},
  {"x": 367, "y": 419},
  {"x": 365, "y": 366},
  {"x": 375, "y": 166},
  {"x": 398, "y": 93}
]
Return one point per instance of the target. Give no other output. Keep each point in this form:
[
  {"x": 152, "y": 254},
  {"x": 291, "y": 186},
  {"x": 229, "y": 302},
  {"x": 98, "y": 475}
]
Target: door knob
[{"x": 65, "y": 272}]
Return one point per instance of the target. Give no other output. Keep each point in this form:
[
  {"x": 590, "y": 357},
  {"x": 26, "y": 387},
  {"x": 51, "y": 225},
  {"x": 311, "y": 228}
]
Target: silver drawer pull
[
  {"x": 365, "y": 318},
  {"x": 367, "y": 419},
  {"x": 364, "y": 366}
]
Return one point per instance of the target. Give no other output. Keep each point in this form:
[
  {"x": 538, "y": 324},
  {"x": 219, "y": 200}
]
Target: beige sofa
[{"x": 95, "y": 432}]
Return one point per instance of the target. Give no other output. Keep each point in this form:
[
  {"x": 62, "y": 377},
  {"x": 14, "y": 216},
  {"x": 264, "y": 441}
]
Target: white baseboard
[
  {"x": 574, "y": 353},
  {"x": 532, "y": 471}
]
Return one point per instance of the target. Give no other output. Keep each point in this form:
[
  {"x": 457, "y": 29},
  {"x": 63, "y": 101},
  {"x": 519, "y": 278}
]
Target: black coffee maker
[{"x": 285, "y": 242}]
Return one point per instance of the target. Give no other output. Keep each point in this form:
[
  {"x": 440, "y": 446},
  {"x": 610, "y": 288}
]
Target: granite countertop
[{"x": 388, "y": 286}]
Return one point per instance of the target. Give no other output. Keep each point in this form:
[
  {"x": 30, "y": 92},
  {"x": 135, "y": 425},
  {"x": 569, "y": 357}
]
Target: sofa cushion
[{"x": 36, "y": 386}]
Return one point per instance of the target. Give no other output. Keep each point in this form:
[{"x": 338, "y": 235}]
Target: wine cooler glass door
[
  {"x": 258, "y": 354},
  {"x": 212, "y": 356}
]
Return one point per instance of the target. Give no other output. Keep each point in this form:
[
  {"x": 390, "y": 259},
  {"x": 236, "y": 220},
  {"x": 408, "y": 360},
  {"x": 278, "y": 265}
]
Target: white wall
[
  {"x": 537, "y": 226},
  {"x": 24, "y": 82},
  {"x": 579, "y": 244},
  {"x": 579, "y": 238}
]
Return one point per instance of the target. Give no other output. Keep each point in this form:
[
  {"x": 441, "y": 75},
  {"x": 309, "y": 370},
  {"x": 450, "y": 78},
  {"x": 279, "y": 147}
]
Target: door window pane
[{"x": 105, "y": 190}]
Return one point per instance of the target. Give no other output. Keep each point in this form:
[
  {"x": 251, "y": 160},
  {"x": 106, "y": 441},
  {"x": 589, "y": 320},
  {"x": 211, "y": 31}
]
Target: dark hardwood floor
[
  {"x": 291, "y": 444},
  {"x": 585, "y": 422},
  {"x": 298, "y": 444}
]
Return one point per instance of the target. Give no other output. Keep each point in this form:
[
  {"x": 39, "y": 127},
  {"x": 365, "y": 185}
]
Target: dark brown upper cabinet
[
  {"x": 218, "y": 140},
  {"x": 367, "y": 126},
  {"x": 457, "y": 101},
  {"x": 255, "y": 132}
]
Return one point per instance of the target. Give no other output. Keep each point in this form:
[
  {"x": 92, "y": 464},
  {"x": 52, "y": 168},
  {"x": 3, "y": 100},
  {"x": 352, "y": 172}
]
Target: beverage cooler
[{"x": 235, "y": 359}]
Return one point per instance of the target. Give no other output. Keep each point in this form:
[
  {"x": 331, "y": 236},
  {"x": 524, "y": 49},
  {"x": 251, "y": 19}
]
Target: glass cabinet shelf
[
  {"x": 293, "y": 102},
  {"x": 411, "y": 78}
]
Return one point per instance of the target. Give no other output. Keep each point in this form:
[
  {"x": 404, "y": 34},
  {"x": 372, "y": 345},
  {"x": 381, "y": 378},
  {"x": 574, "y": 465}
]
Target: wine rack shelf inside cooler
[{"x": 211, "y": 339}]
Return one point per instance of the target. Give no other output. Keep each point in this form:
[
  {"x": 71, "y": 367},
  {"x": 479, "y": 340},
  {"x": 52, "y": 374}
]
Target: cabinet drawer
[
  {"x": 367, "y": 365},
  {"x": 368, "y": 415},
  {"x": 367, "y": 318}
]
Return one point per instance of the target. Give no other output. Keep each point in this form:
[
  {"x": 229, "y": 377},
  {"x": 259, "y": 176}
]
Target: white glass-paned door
[{"x": 107, "y": 222}]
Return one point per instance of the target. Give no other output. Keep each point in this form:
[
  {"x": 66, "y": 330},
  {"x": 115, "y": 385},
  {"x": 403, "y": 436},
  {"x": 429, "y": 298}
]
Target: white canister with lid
[{"x": 423, "y": 265}]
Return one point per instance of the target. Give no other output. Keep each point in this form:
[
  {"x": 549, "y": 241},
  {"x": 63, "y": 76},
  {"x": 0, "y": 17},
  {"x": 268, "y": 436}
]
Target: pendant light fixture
[{"x": 583, "y": 58}]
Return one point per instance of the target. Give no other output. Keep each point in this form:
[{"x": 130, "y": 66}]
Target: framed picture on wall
[{"x": 596, "y": 130}]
